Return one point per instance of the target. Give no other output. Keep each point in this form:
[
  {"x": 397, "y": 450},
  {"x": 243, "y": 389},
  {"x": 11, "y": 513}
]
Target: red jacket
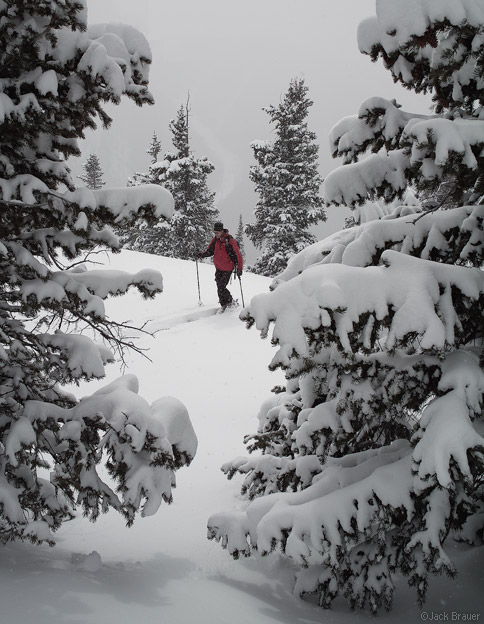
[{"x": 225, "y": 252}]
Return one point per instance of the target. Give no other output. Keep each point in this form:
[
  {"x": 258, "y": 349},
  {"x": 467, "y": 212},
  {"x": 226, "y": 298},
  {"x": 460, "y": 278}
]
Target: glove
[{"x": 239, "y": 273}]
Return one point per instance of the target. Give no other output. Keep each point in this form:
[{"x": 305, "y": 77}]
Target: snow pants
[{"x": 222, "y": 278}]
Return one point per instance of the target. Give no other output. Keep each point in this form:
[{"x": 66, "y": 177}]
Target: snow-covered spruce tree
[
  {"x": 185, "y": 176},
  {"x": 287, "y": 181},
  {"x": 129, "y": 235},
  {"x": 154, "y": 149},
  {"x": 373, "y": 455},
  {"x": 93, "y": 174},
  {"x": 239, "y": 237},
  {"x": 56, "y": 76}
]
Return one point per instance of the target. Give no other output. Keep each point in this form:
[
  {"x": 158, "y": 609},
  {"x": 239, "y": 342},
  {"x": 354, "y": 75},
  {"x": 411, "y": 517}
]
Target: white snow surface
[{"x": 163, "y": 569}]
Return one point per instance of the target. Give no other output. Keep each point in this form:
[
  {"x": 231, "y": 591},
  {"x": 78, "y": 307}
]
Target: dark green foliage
[
  {"x": 51, "y": 445},
  {"x": 185, "y": 176},
  {"x": 239, "y": 237},
  {"x": 93, "y": 174},
  {"x": 374, "y": 455},
  {"x": 287, "y": 181}
]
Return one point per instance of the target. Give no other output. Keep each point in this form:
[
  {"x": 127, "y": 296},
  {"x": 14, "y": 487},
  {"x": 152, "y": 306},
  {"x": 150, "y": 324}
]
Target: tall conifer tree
[
  {"x": 373, "y": 456},
  {"x": 154, "y": 149},
  {"x": 185, "y": 176},
  {"x": 93, "y": 174},
  {"x": 287, "y": 180},
  {"x": 111, "y": 449},
  {"x": 239, "y": 237}
]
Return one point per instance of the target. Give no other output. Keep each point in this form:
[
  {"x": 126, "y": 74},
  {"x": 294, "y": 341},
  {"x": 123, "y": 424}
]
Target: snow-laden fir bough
[
  {"x": 56, "y": 76},
  {"x": 372, "y": 455}
]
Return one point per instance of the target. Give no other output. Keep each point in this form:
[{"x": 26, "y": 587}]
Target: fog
[{"x": 232, "y": 58}]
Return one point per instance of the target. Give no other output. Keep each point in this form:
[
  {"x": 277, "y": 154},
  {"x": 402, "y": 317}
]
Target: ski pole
[
  {"x": 198, "y": 282},
  {"x": 241, "y": 293}
]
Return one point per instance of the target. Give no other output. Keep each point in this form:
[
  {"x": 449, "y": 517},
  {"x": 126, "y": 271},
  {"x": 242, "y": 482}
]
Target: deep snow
[{"x": 164, "y": 569}]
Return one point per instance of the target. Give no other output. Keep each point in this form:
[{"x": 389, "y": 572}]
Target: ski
[{"x": 234, "y": 304}]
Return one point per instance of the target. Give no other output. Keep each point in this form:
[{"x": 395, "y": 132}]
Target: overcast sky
[{"x": 234, "y": 57}]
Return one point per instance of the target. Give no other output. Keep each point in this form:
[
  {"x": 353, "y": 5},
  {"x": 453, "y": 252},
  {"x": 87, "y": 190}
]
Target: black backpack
[{"x": 230, "y": 250}]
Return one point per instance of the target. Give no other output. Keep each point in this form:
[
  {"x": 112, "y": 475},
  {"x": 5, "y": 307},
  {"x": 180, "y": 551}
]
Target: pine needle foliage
[
  {"x": 287, "y": 181},
  {"x": 57, "y": 76},
  {"x": 185, "y": 176},
  {"x": 93, "y": 173},
  {"x": 370, "y": 462}
]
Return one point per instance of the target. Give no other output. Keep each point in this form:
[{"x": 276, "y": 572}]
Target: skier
[{"x": 226, "y": 258}]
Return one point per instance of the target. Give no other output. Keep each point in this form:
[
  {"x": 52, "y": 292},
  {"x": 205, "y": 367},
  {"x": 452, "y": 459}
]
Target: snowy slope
[{"x": 163, "y": 570}]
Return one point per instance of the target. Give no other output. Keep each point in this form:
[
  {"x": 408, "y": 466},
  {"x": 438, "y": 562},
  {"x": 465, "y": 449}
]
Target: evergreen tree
[
  {"x": 93, "y": 174},
  {"x": 239, "y": 237},
  {"x": 154, "y": 149},
  {"x": 185, "y": 176},
  {"x": 54, "y": 450},
  {"x": 373, "y": 454},
  {"x": 287, "y": 180}
]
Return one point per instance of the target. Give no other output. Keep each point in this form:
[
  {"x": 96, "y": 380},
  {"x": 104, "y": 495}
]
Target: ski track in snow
[
  {"x": 194, "y": 314},
  {"x": 167, "y": 322}
]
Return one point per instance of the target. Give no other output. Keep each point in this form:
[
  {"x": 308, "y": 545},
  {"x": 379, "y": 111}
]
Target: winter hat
[{"x": 218, "y": 227}]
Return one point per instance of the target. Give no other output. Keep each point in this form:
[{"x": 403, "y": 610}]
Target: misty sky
[{"x": 234, "y": 57}]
